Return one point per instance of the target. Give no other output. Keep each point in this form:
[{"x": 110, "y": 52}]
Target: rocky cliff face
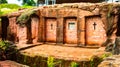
[{"x": 113, "y": 61}]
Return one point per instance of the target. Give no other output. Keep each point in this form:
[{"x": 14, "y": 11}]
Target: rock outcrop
[
  {"x": 113, "y": 47},
  {"x": 113, "y": 61}
]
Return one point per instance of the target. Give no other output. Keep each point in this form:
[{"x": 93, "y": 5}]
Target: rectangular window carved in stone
[{"x": 71, "y": 26}]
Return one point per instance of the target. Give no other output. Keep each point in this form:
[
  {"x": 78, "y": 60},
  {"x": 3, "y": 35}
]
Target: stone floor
[{"x": 62, "y": 52}]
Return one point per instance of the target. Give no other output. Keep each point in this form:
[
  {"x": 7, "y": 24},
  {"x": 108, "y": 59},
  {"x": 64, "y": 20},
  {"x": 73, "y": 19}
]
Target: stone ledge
[
  {"x": 8, "y": 63},
  {"x": 62, "y": 52}
]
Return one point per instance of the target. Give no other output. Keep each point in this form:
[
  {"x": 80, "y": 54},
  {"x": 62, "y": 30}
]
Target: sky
[
  {"x": 15, "y": 1},
  {"x": 20, "y": 2}
]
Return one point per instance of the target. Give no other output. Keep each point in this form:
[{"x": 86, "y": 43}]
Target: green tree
[
  {"x": 28, "y": 2},
  {"x": 3, "y": 1}
]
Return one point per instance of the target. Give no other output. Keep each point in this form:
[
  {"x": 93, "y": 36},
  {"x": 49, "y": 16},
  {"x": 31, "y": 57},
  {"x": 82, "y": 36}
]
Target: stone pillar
[
  {"x": 60, "y": 30},
  {"x": 81, "y": 31},
  {"x": 22, "y": 35},
  {"x": 34, "y": 30},
  {"x": 12, "y": 29},
  {"x": 41, "y": 31}
]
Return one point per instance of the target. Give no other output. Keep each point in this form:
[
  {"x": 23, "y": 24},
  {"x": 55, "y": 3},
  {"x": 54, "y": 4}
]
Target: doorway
[
  {"x": 95, "y": 32},
  {"x": 5, "y": 24},
  {"x": 34, "y": 27},
  {"x": 70, "y": 30},
  {"x": 118, "y": 27},
  {"x": 50, "y": 25}
]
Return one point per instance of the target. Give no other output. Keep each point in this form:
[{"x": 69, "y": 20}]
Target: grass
[
  {"x": 74, "y": 64},
  {"x": 50, "y": 62},
  {"x": 9, "y": 8},
  {"x": 94, "y": 61}
]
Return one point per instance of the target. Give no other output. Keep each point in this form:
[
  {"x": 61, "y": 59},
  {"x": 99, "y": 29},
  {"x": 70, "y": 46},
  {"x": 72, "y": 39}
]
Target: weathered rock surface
[
  {"x": 34, "y": 30},
  {"x": 116, "y": 48},
  {"x": 9, "y": 63},
  {"x": 61, "y": 52},
  {"x": 113, "y": 47},
  {"x": 113, "y": 61}
]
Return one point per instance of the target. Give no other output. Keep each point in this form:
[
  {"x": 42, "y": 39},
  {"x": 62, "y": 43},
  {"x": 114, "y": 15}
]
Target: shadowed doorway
[
  {"x": 5, "y": 24},
  {"x": 118, "y": 26}
]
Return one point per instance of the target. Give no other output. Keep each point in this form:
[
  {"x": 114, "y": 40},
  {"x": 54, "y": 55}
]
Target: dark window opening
[{"x": 51, "y": 26}]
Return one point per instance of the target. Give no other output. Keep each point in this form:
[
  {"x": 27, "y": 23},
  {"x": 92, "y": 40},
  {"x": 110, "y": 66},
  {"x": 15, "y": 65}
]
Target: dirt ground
[{"x": 62, "y": 52}]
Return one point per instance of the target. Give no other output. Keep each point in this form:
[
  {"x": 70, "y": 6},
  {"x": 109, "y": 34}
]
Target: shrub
[
  {"x": 7, "y": 50},
  {"x": 74, "y": 64},
  {"x": 51, "y": 62}
]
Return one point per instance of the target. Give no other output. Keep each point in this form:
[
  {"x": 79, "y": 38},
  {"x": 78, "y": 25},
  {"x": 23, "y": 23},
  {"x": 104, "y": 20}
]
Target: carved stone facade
[{"x": 79, "y": 24}]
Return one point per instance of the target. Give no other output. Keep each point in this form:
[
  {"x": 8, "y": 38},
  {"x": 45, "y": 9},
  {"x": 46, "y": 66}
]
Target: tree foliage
[
  {"x": 3, "y": 1},
  {"x": 28, "y": 2}
]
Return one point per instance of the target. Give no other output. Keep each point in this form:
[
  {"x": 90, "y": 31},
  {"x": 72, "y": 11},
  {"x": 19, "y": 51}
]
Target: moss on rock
[{"x": 25, "y": 16}]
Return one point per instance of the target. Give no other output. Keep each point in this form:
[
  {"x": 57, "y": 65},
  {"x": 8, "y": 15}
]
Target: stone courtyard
[{"x": 63, "y": 52}]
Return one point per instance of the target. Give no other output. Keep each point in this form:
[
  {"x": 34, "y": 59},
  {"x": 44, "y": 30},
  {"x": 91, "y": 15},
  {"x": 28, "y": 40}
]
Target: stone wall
[
  {"x": 12, "y": 30},
  {"x": 95, "y": 23},
  {"x": 104, "y": 15}
]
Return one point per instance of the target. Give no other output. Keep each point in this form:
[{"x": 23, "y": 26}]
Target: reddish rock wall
[
  {"x": 12, "y": 29},
  {"x": 106, "y": 22},
  {"x": 51, "y": 26},
  {"x": 35, "y": 28},
  {"x": 95, "y": 32},
  {"x": 70, "y": 31},
  {"x": 22, "y": 35},
  {"x": 103, "y": 15}
]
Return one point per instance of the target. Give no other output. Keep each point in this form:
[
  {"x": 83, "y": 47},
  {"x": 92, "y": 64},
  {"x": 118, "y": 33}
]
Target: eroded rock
[{"x": 113, "y": 61}]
